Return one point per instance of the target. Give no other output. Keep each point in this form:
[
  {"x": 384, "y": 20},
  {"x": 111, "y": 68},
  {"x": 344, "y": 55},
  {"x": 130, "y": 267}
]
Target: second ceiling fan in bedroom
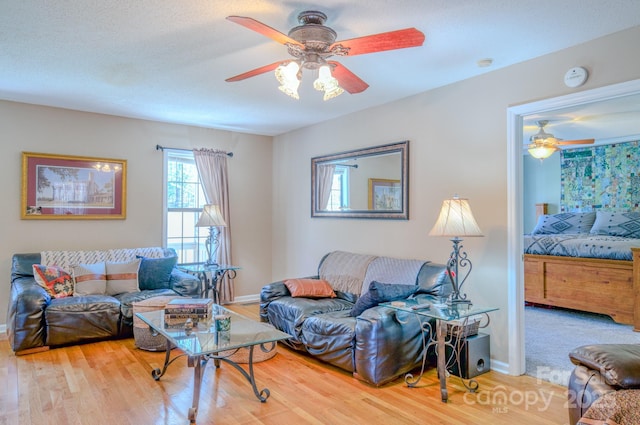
[
  {"x": 312, "y": 43},
  {"x": 542, "y": 144}
]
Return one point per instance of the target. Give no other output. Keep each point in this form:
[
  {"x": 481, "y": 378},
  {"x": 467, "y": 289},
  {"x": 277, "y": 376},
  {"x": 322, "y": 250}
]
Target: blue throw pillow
[
  {"x": 380, "y": 293},
  {"x": 155, "y": 273}
]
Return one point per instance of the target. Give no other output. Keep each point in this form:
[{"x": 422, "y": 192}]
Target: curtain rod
[{"x": 162, "y": 148}]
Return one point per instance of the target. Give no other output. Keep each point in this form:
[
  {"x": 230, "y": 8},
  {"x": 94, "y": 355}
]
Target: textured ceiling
[{"x": 167, "y": 60}]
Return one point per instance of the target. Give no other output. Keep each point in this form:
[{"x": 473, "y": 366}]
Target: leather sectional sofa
[
  {"x": 369, "y": 340},
  {"x": 602, "y": 373},
  {"x": 37, "y": 320}
]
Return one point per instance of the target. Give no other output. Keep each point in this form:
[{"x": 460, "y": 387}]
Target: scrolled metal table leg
[
  {"x": 441, "y": 333},
  {"x": 198, "y": 363},
  {"x": 157, "y": 372},
  {"x": 261, "y": 395},
  {"x": 427, "y": 341}
]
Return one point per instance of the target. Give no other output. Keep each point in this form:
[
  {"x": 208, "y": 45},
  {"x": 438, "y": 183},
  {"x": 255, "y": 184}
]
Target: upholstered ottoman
[{"x": 142, "y": 335}]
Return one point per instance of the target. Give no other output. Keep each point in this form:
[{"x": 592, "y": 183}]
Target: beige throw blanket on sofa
[
  {"x": 392, "y": 270},
  {"x": 67, "y": 259},
  {"x": 345, "y": 271}
]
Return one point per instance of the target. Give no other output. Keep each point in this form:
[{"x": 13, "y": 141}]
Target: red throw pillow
[
  {"x": 57, "y": 282},
  {"x": 309, "y": 288}
]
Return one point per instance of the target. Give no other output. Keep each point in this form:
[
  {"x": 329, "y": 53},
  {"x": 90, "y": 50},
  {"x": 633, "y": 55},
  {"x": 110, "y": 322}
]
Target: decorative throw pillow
[
  {"x": 89, "y": 279},
  {"x": 57, "y": 282},
  {"x": 122, "y": 277},
  {"x": 625, "y": 224},
  {"x": 566, "y": 223},
  {"x": 155, "y": 273},
  {"x": 380, "y": 293},
  {"x": 310, "y": 288}
]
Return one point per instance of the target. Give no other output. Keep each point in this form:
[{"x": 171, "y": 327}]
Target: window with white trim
[{"x": 184, "y": 199}]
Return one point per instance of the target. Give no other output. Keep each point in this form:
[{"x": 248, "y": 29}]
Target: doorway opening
[{"x": 515, "y": 141}]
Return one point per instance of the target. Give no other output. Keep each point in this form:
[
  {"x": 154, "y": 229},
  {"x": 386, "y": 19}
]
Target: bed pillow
[
  {"x": 625, "y": 224},
  {"x": 380, "y": 293},
  {"x": 57, "y": 282},
  {"x": 567, "y": 223},
  {"x": 122, "y": 277},
  {"x": 309, "y": 288},
  {"x": 155, "y": 273},
  {"x": 89, "y": 279}
]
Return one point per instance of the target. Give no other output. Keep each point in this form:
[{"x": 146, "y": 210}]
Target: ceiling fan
[
  {"x": 542, "y": 144},
  {"x": 312, "y": 44}
]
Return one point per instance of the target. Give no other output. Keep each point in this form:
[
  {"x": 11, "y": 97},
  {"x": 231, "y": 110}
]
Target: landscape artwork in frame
[
  {"x": 72, "y": 187},
  {"x": 385, "y": 195}
]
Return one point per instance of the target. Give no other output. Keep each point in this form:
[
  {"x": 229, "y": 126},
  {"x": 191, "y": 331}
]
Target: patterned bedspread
[{"x": 581, "y": 245}]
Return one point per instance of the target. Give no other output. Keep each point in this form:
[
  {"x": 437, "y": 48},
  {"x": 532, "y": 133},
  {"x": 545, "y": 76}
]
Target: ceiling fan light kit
[
  {"x": 542, "y": 144},
  {"x": 541, "y": 151},
  {"x": 312, "y": 43},
  {"x": 327, "y": 83},
  {"x": 287, "y": 76}
]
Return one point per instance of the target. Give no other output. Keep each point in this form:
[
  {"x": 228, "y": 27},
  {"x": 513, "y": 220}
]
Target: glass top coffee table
[
  {"x": 203, "y": 342},
  {"x": 452, "y": 324}
]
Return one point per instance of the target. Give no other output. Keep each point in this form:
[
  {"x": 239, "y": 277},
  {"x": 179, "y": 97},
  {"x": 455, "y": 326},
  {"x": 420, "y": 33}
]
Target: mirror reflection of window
[{"x": 339, "y": 197}]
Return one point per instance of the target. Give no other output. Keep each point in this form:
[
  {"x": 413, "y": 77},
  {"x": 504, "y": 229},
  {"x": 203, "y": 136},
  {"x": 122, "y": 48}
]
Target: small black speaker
[{"x": 475, "y": 357}]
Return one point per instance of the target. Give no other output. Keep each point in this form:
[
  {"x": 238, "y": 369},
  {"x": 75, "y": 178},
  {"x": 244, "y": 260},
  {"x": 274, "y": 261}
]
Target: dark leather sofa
[
  {"x": 379, "y": 344},
  {"x": 37, "y": 321},
  {"x": 601, "y": 369}
]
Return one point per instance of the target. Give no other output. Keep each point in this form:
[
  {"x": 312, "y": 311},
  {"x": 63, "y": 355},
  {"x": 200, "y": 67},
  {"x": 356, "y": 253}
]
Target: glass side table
[
  {"x": 211, "y": 276},
  {"x": 451, "y": 329}
]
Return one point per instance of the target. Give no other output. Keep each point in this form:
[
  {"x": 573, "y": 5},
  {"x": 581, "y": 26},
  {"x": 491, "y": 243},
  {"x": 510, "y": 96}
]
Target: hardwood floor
[{"x": 110, "y": 383}]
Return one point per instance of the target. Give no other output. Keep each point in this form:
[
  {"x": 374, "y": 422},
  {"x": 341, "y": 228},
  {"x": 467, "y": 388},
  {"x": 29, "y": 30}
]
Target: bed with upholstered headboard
[{"x": 586, "y": 261}]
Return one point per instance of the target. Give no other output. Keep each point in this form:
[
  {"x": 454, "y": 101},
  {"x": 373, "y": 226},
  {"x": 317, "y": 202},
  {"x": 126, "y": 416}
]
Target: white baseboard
[
  {"x": 254, "y": 298},
  {"x": 500, "y": 367},
  {"x": 3, "y": 329}
]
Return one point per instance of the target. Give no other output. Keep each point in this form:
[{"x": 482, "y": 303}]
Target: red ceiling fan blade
[
  {"x": 263, "y": 29},
  {"x": 256, "y": 71},
  {"x": 347, "y": 79},
  {"x": 576, "y": 142},
  {"x": 400, "y": 39}
]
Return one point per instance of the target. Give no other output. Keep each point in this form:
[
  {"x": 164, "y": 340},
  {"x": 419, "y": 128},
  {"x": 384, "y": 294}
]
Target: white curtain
[
  {"x": 212, "y": 169},
  {"x": 325, "y": 181}
]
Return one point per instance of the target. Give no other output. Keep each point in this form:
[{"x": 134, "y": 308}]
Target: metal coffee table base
[{"x": 199, "y": 362}]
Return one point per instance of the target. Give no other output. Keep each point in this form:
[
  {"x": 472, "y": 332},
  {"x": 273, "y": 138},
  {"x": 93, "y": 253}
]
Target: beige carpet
[{"x": 550, "y": 334}]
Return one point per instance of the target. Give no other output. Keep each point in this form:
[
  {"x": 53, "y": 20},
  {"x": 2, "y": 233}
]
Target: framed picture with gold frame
[
  {"x": 385, "y": 195},
  {"x": 72, "y": 187}
]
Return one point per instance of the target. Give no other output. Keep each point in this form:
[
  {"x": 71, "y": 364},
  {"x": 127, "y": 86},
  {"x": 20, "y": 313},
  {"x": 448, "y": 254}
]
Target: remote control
[{"x": 421, "y": 306}]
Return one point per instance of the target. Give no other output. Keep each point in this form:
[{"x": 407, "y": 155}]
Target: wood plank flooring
[{"x": 110, "y": 383}]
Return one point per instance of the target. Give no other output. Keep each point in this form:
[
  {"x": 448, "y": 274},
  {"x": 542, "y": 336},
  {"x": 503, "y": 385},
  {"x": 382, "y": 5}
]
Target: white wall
[
  {"x": 457, "y": 145},
  {"x": 541, "y": 184},
  {"x": 50, "y": 130}
]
